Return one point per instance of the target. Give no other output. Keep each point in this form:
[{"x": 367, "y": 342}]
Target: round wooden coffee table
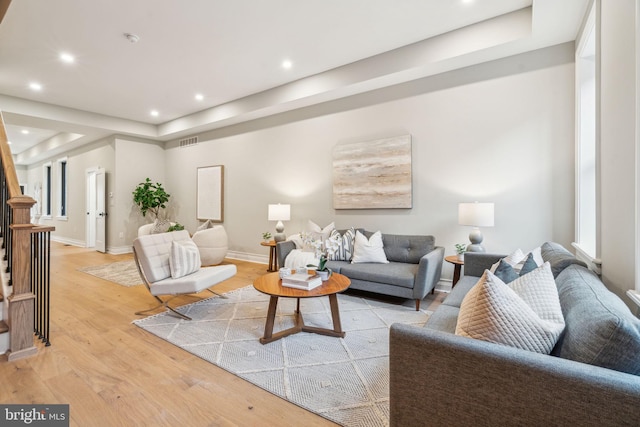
[{"x": 271, "y": 285}]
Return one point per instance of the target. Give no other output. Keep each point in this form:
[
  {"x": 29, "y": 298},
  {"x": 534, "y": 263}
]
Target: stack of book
[{"x": 302, "y": 281}]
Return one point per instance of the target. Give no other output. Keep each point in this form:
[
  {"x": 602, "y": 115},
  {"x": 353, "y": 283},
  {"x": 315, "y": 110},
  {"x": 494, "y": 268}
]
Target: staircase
[
  {"x": 4, "y": 328},
  {"x": 5, "y": 289}
]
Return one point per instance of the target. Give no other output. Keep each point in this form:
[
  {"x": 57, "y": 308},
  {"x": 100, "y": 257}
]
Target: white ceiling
[{"x": 231, "y": 52}]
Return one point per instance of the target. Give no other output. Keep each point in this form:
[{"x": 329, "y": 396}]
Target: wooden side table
[
  {"x": 273, "y": 260},
  {"x": 457, "y": 266}
]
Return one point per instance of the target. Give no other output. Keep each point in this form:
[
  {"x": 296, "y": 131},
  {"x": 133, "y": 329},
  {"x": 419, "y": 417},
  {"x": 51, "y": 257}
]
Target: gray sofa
[
  {"x": 414, "y": 267},
  {"x": 591, "y": 377}
]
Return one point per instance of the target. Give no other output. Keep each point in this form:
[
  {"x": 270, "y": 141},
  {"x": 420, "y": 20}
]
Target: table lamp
[
  {"x": 476, "y": 215},
  {"x": 279, "y": 213}
]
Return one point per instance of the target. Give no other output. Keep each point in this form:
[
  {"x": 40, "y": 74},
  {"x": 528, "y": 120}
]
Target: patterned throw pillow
[
  {"x": 525, "y": 313},
  {"x": 184, "y": 258},
  {"x": 345, "y": 245}
]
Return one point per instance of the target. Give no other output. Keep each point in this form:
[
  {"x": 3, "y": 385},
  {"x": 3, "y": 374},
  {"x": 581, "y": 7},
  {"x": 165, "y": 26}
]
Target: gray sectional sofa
[
  {"x": 414, "y": 267},
  {"x": 591, "y": 378}
]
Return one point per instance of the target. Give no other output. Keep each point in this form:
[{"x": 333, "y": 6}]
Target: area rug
[
  {"x": 345, "y": 380},
  {"x": 123, "y": 273}
]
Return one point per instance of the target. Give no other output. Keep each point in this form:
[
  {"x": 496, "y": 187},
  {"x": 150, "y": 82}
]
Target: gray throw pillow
[
  {"x": 600, "y": 328},
  {"x": 508, "y": 274},
  {"x": 558, "y": 257}
]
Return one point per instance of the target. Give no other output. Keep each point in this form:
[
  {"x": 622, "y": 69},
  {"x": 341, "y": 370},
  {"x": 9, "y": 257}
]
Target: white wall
[
  {"x": 73, "y": 229},
  {"x": 136, "y": 160},
  {"x": 617, "y": 142},
  {"x": 500, "y": 132}
]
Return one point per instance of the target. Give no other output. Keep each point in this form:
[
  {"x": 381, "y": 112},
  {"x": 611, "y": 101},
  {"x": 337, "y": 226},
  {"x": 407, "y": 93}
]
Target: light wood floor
[{"x": 113, "y": 373}]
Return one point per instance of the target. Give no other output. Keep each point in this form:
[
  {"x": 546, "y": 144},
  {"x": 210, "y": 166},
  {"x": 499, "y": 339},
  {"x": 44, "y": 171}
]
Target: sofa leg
[{"x": 417, "y": 305}]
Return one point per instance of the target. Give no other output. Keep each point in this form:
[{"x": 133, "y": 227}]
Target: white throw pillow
[
  {"x": 184, "y": 258},
  {"x": 369, "y": 250},
  {"x": 524, "y": 314},
  {"x": 319, "y": 233},
  {"x": 298, "y": 258},
  {"x": 297, "y": 240},
  {"x": 205, "y": 225}
]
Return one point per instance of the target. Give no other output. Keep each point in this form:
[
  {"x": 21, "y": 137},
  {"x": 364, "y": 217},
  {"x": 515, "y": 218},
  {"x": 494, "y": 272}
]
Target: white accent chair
[
  {"x": 212, "y": 244},
  {"x": 151, "y": 253}
]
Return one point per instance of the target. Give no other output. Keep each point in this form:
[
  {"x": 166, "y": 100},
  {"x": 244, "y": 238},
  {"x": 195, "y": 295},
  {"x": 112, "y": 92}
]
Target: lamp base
[
  {"x": 279, "y": 236},
  {"x": 475, "y": 248},
  {"x": 476, "y": 239}
]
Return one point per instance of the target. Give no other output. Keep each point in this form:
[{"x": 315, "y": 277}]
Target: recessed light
[
  {"x": 25, "y": 132},
  {"x": 199, "y": 97},
  {"x": 467, "y": 1},
  {"x": 66, "y": 57},
  {"x": 133, "y": 38},
  {"x": 35, "y": 86},
  {"x": 286, "y": 64},
  {"x": 154, "y": 113}
]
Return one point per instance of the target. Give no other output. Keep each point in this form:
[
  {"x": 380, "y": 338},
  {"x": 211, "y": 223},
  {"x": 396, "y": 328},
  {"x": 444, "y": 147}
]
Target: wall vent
[{"x": 187, "y": 142}]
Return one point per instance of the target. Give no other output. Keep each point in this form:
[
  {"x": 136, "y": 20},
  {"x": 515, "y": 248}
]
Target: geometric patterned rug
[
  {"x": 345, "y": 380},
  {"x": 123, "y": 273}
]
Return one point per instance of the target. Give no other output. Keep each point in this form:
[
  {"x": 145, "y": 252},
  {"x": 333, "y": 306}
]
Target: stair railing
[{"x": 29, "y": 289}]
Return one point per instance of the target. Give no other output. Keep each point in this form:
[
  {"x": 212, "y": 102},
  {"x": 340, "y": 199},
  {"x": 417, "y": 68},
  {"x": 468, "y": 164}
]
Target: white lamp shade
[
  {"x": 279, "y": 212},
  {"x": 475, "y": 214}
]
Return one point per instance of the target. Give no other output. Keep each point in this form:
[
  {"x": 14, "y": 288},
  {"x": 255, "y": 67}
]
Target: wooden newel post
[{"x": 21, "y": 301}]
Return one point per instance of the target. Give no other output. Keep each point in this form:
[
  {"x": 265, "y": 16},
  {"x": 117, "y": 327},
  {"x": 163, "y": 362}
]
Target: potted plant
[
  {"x": 175, "y": 227},
  {"x": 323, "y": 250},
  {"x": 461, "y": 248},
  {"x": 266, "y": 236},
  {"x": 150, "y": 197}
]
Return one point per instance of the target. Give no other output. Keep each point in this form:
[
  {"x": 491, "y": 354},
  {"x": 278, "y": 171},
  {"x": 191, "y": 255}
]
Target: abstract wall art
[{"x": 373, "y": 174}]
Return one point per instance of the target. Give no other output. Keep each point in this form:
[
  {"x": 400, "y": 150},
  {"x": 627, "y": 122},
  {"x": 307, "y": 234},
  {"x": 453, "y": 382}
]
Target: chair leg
[
  {"x": 164, "y": 304},
  {"x": 220, "y": 295}
]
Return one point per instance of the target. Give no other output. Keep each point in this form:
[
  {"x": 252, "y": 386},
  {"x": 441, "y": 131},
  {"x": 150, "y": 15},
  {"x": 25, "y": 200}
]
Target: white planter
[
  {"x": 460, "y": 257},
  {"x": 324, "y": 275}
]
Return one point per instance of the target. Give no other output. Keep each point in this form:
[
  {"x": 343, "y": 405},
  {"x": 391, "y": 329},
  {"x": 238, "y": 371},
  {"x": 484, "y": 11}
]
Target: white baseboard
[
  {"x": 67, "y": 241},
  {"x": 444, "y": 285},
  {"x": 115, "y": 250},
  {"x": 119, "y": 250},
  {"x": 245, "y": 256}
]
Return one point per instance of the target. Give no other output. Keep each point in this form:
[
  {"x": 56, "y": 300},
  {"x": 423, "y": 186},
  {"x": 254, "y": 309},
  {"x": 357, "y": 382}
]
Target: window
[
  {"x": 62, "y": 188},
  {"x": 46, "y": 189},
  {"x": 586, "y": 239}
]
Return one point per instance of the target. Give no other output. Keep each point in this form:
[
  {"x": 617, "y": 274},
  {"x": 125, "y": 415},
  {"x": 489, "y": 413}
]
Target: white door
[
  {"x": 96, "y": 214},
  {"x": 91, "y": 208},
  {"x": 101, "y": 213}
]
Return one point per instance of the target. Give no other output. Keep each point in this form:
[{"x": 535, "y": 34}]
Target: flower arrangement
[{"x": 323, "y": 249}]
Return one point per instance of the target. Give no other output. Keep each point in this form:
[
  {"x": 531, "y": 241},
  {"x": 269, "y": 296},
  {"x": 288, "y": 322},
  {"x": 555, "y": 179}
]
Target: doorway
[{"x": 95, "y": 211}]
